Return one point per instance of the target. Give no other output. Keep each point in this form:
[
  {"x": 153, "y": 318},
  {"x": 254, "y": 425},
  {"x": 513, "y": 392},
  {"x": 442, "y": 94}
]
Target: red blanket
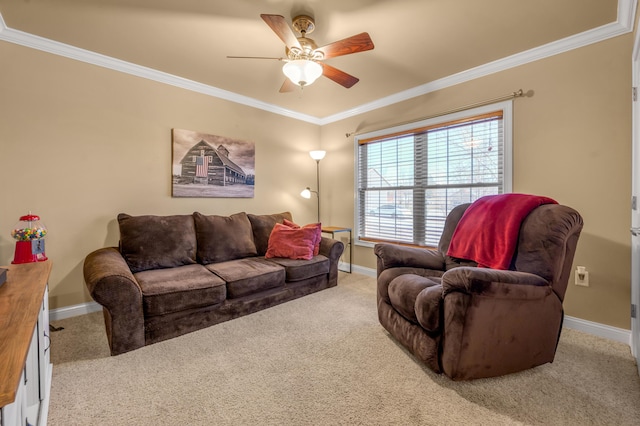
[{"x": 488, "y": 231}]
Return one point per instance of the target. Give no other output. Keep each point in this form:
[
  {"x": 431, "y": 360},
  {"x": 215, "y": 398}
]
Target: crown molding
[
  {"x": 627, "y": 13},
  {"x": 61, "y": 49},
  {"x": 623, "y": 25}
]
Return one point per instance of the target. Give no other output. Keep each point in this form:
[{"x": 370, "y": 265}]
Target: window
[{"x": 408, "y": 178}]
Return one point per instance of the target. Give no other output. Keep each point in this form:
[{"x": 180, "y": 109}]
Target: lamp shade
[
  {"x": 317, "y": 155},
  {"x": 302, "y": 72},
  {"x": 306, "y": 193}
]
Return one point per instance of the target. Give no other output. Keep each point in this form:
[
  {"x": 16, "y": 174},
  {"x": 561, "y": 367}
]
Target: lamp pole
[
  {"x": 318, "y": 155},
  {"x": 318, "y": 185}
]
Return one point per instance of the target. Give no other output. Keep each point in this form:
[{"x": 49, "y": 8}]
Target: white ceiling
[{"x": 418, "y": 43}]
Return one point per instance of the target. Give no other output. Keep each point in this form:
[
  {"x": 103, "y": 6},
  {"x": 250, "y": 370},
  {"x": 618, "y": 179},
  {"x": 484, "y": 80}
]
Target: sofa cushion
[
  {"x": 292, "y": 243},
  {"x": 297, "y": 270},
  {"x": 404, "y": 290},
  {"x": 178, "y": 289},
  {"x": 153, "y": 242},
  {"x": 248, "y": 276},
  {"x": 262, "y": 226},
  {"x": 222, "y": 238},
  {"x": 315, "y": 226}
]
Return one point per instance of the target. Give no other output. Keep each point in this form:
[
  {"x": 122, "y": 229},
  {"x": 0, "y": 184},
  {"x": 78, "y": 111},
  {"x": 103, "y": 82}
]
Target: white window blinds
[{"x": 409, "y": 180}]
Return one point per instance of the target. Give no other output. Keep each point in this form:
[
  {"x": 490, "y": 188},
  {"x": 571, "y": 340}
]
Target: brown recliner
[{"x": 470, "y": 322}]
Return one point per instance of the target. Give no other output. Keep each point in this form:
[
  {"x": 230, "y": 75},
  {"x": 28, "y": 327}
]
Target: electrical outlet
[{"x": 582, "y": 276}]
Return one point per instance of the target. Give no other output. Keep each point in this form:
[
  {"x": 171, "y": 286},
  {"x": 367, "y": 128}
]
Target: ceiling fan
[{"x": 304, "y": 59}]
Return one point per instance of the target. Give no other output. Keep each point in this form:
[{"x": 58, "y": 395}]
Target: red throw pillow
[
  {"x": 292, "y": 243},
  {"x": 318, "y": 229}
]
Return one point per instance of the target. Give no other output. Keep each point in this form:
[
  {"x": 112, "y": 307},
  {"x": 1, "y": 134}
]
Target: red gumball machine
[{"x": 29, "y": 235}]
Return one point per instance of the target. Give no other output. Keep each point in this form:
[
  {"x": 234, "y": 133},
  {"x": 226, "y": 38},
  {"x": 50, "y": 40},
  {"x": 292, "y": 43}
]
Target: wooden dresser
[{"x": 25, "y": 367}]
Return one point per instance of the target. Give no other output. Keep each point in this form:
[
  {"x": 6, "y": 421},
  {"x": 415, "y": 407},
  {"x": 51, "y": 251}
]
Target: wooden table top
[
  {"x": 335, "y": 229},
  {"x": 20, "y": 303}
]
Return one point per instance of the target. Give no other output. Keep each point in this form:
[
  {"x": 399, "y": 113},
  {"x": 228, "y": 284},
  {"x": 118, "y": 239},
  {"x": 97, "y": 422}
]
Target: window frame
[{"x": 507, "y": 165}]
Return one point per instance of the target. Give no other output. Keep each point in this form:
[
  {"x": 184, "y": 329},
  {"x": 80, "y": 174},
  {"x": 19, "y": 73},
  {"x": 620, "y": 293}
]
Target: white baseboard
[
  {"x": 364, "y": 271},
  {"x": 600, "y": 330},
  {"x": 596, "y": 329},
  {"x": 73, "y": 311},
  {"x": 343, "y": 266}
]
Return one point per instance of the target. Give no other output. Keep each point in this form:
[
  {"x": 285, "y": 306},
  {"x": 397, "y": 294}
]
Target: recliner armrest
[
  {"x": 485, "y": 280},
  {"x": 394, "y": 255}
]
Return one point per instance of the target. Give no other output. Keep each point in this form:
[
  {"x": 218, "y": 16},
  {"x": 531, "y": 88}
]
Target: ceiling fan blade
[
  {"x": 353, "y": 44},
  {"x": 279, "y": 26},
  {"x": 288, "y": 86},
  {"x": 340, "y": 77}
]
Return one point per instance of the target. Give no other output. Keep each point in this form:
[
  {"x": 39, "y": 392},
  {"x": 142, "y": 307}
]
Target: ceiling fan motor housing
[
  {"x": 307, "y": 52},
  {"x": 304, "y": 58},
  {"x": 303, "y": 24}
]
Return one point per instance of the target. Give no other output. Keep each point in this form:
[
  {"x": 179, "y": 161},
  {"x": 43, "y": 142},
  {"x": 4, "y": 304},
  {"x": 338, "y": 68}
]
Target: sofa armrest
[
  {"x": 332, "y": 249},
  {"x": 507, "y": 284},
  {"x": 111, "y": 284},
  {"x": 394, "y": 255}
]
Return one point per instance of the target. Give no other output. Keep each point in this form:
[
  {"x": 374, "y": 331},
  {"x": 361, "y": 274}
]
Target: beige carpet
[{"x": 323, "y": 360}]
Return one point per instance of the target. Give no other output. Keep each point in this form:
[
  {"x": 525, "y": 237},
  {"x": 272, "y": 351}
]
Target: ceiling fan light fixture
[{"x": 302, "y": 72}]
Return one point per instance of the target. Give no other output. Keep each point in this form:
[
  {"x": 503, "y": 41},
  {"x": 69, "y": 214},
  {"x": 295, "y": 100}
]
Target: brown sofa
[
  {"x": 470, "y": 322},
  {"x": 172, "y": 275}
]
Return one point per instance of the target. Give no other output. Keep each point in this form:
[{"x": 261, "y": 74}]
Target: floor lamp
[{"x": 306, "y": 193}]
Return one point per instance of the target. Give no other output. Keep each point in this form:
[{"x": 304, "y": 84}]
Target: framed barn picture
[{"x": 211, "y": 166}]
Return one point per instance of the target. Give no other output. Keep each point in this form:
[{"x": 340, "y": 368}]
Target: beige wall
[
  {"x": 571, "y": 141},
  {"x": 79, "y": 144}
]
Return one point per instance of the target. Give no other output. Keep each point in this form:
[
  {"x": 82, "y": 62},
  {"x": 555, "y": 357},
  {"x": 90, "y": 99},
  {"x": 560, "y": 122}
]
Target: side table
[{"x": 333, "y": 230}]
